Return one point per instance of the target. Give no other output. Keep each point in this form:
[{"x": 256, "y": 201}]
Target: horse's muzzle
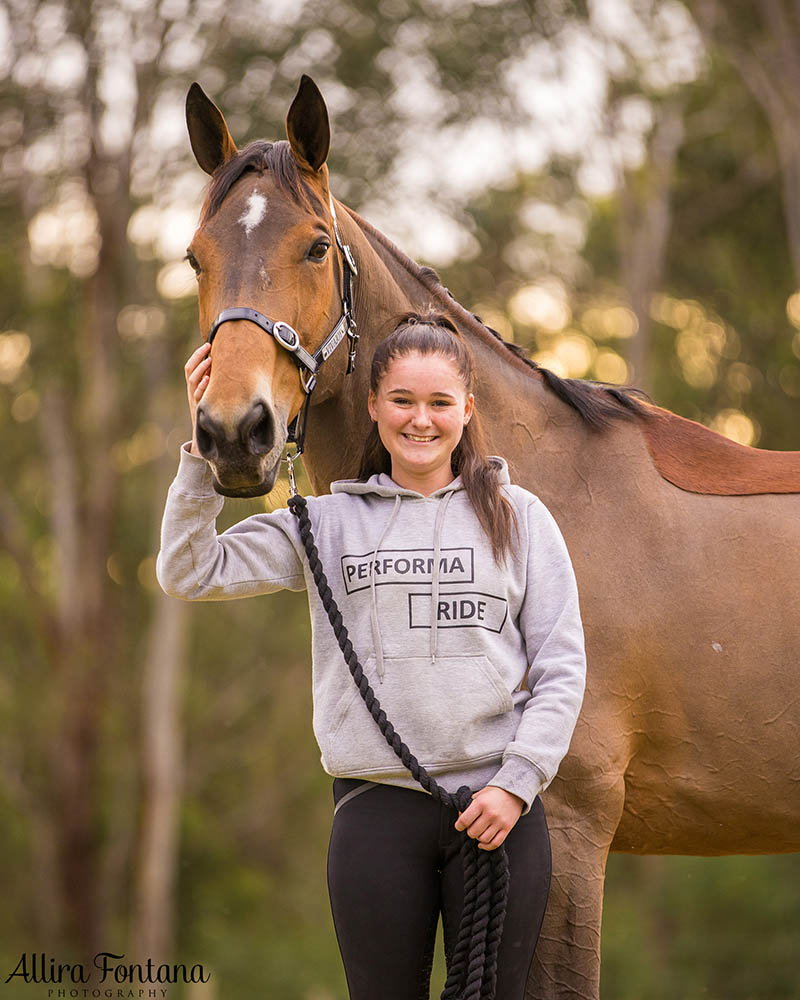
[{"x": 244, "y": 454}]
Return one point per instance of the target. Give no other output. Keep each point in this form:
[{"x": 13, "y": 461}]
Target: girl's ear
[
  {"x": 468, "y": 408},
  {"x": 371, "y": 405}
]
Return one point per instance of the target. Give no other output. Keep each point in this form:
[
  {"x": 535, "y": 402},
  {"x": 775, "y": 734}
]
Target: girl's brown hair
[{"x": 434, "y": 333}]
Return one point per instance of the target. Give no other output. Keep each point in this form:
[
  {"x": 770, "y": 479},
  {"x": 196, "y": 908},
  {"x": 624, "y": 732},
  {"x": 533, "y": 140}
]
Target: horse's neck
[{"x": 385, "y": 287}]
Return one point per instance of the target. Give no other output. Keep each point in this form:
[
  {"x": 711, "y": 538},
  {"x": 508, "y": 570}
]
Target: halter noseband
[{"x": 289, "y": 339}]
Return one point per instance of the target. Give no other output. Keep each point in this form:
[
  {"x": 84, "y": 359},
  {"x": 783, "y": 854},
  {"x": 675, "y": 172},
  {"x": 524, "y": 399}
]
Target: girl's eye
[
  {"x": 319, "y": 250},
  {"x": 192, "y": 261},
  {"x": 437, "y": 402}
]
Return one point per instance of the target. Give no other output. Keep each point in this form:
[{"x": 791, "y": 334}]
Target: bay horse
[{"x": 684, "y": 543}]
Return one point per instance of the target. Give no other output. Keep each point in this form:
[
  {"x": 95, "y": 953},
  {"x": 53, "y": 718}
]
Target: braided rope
[{"x": 473, "y": 967}]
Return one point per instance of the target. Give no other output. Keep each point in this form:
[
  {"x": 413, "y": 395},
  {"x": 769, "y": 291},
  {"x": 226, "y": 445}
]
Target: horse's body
[{"x": 687, "y": 740}]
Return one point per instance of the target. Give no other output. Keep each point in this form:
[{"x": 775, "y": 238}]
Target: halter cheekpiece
[{"x": 288, "y": 338}]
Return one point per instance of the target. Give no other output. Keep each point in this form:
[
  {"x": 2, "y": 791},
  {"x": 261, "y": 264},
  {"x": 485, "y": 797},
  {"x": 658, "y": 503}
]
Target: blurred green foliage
[{"x": 701, "y": 928}]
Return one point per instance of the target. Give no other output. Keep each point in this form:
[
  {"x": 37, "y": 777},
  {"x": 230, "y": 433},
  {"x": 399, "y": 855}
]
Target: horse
[{"x": 684, "y": 543}]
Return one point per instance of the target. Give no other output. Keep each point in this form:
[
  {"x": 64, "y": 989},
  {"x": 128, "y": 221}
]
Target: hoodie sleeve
[
  {"x": 551, "y": 625},
  {"x": 259, "y": 555}
]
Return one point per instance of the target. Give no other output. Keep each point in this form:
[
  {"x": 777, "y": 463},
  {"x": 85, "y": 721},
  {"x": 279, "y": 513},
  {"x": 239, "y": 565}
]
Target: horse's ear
[
  {"x": 307, "y": 125},
  {"x": 211, "y": 141}
]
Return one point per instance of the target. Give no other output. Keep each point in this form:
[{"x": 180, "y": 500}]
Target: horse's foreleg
[{"x": 567, "y": 959}]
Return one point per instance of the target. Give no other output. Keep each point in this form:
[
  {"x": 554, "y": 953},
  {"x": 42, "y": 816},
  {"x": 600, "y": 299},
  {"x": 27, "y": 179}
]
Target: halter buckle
[{"x": 290, "y": 339}]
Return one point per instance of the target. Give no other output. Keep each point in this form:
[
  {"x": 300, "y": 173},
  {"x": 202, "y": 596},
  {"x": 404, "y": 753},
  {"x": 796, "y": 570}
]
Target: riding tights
[{"x": 394, "y": 864}]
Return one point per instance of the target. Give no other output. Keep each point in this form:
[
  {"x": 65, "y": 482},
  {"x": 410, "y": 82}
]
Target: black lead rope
[{"x": 473, "y": 968}]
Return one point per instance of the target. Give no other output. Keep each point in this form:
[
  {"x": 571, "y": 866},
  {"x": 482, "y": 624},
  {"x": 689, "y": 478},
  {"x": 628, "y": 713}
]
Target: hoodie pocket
[{"x": 456, "y": 710}]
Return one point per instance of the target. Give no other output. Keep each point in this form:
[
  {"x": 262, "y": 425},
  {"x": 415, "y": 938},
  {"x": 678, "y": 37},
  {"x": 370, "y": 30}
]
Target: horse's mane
[
  {"x": 259, "y": 156},
  {"x": 598, "y": 403}
]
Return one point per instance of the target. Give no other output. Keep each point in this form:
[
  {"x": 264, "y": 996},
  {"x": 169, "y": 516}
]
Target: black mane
[{"x": 598, "y": 403}]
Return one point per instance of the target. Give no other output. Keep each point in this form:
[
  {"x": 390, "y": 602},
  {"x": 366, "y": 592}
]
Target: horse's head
[{"x": 266, "y": 241}]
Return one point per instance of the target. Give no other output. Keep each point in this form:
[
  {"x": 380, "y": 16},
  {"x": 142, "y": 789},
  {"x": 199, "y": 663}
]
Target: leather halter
[{"x": 288, "y": 338}]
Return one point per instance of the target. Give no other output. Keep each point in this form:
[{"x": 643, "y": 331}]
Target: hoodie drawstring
[
  {"x": 376, "y": 628},
  {"x": 437, "y": 540},
  {"x": 437, "y": 547}
]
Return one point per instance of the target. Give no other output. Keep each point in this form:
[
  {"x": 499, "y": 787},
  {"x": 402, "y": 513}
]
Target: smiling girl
[{"x": 458, "y": 592}]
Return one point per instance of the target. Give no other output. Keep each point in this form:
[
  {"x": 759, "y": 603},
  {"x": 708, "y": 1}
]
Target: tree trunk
[
  {"x": 162, "y": 778},
  {"x": 645, "y": 222},
  {"x": 769, "y": 64}
]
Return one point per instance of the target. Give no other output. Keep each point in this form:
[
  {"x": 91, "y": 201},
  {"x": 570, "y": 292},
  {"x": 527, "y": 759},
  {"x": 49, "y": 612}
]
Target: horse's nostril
[
  {"x": 253, "y": 434},
  {"x": 206, "y": 432},
  {"x": 257, "y": 430}
]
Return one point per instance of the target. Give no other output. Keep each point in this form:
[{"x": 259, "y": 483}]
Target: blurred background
[{"x": 614, "y": 185}]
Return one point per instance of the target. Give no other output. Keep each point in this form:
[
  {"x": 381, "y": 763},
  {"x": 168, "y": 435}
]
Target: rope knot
[{"x": 297, "y": 504}]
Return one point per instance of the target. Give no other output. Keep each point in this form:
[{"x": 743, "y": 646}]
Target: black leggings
[{"x": 394, "y": 865}]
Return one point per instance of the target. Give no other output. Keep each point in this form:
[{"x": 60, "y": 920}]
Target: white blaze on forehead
[{"x": 254, "y": 213}]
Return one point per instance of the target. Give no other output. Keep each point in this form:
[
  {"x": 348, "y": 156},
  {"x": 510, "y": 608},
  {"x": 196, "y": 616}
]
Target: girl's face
[{"x": 421, "y": 408}]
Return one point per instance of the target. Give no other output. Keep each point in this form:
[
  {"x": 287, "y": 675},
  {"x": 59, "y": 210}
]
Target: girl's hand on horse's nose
[{"x": 197, "y": 371}]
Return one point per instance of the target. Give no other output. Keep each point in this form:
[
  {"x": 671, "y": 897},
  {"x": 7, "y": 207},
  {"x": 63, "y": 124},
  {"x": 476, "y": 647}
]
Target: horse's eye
[
  {"x": 192, "y": 261},
  {"x": 319, "y": 250}
]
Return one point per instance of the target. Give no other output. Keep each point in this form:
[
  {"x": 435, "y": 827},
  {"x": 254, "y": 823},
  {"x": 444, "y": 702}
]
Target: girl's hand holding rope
[{"x": 490, "y": 816}]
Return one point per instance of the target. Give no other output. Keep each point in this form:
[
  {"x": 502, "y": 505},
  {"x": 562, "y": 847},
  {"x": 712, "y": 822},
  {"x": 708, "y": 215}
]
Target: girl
[{"x": 459, "y": 596}]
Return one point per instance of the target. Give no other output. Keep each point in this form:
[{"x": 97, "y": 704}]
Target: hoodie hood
[{"x": 383, "y": 485}]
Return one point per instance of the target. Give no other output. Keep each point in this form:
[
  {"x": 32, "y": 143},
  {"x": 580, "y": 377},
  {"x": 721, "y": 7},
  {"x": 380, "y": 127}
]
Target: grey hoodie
[{"x": 480, "y": 668}]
